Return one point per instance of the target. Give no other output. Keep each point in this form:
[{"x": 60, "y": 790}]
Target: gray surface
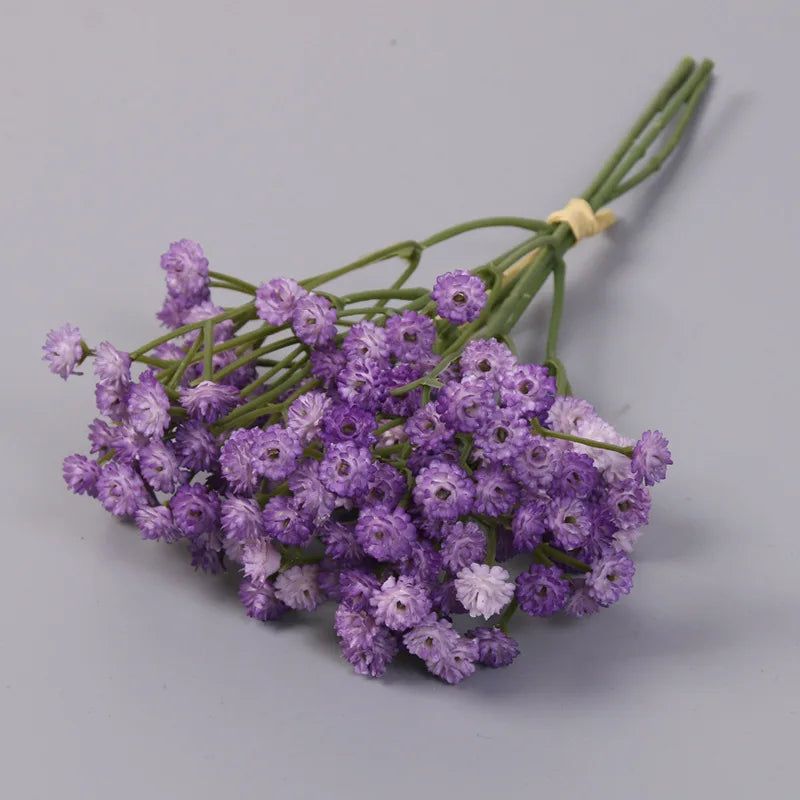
[{"x": 290, "y": 137}]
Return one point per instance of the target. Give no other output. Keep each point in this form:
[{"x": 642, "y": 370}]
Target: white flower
[
  {"x": 483, "y": 590},
  {"x": 298, "y": 587},
  {"x": 260, "y": 559},
  {"x": 614, "y": 466}
]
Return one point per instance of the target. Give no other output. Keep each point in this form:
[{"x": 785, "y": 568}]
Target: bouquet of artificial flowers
[{"x": 384, "y": 449}]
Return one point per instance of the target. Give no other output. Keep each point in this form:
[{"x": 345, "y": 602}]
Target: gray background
[{"x": 292, "y": 137}]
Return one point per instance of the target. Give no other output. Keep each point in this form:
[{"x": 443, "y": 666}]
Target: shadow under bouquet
[{"x": 384, "y": 449}]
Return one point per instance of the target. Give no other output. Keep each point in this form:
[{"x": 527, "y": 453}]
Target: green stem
[
  {"x": 242, "y": 286},
  {"x": 568, "y": 437},
  {"x": 505, "y": 618},
  {"x": 565, "y": 558},
  {"x": 208, "y": 350}
]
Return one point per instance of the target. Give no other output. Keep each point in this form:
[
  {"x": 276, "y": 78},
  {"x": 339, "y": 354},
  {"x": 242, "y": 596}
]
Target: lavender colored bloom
[
  {"x": 615, "y": 467},
  {"x": 81, "y": 474},
  {"x": 314, "y": 320},
  {"x": 341, "y": 544},
  {"x": 410, "y": 336},
  {"x": 368, "y": 647},
  {"x": 127, "y": 443},
  {"x": 432, "y": 639},
  {"x": 568, "y": 412},
  {"x": 356, "y": 588},
  {"x": 209, "y": 401},
  {"x": 569, "y": 522},
  {"x": 484, "y": 590},
  {"x": 625, "y": 540},
  {"x": 169, "y": 351},
  {"x": 345, "y": 470},
  {"x": 111, "y": 402},
  {"x": 349, "y": 423},
  {"x": 365, "y": 340},
  {"x": 195, "y": 510},
  {"x": 327, "y": 362},
  {"x": 159, "y": 466},
  {"x": 456, "y": 664},
  {"x": 529, "y": 525},
  {"x": 385, "y": 535},
  {"x": 221, "y": 332},
  {"x": 276, "y": 451},
  {"x": 276, "y": 300},
  {"x": 651, "y": 457},
  {"x": 120, "y": 489},
  {"x": 148, "y": 406},
  {"x": 528, "y": 388},
  {"x": 112, "y": 367},
  {"x": 241, "y": 519},
  {"x": 311, "y": 498},
  {"x": 541, "y": 590},
  {"x": 576, "y": 474},
  {"x": 502, "y": 437},
  {"x": 487, "y": 360},
  {"x": 100, "y": 435},
  {"x": 238, "y": 460},
  {"x": 610, "y": 578},
  {"x": 171, "y": 313},
  {"x": 298, "y": 587},
  {"x": 156, "y": 523},
  {"x": 362, "y": 383},
  {"x": 426, "y": 429},
  {"x": 406, "y": 404},
  {"x": 495, "y": 648},
  {"x": 629, "y": 504},
  {"x": 464, "y": 406},
  {"x": 464, "y": 544},
  {"x": 496, "y": 492},
  {"x": 580, "y": 602},
  {"x": 260, "y": 559},
  {"x": 196, "y": 446},
  {"x": 385, "y": 487},
  {"x": 306, "y": 415},
  {"x": 283, "y": 521},
  {"x": 400, "y": 603},
  {"x": 535, "y": 463},
  {"x": 423, "y": 564},
  {"x": 260, "y": 600},
  {"x": 444, "y": 491},
  {"x": 187, "y": 273},
  {"x": 63, "y": 349},
  {"x": 444, "y": 598},
  {"x": 459, "y": 295}
]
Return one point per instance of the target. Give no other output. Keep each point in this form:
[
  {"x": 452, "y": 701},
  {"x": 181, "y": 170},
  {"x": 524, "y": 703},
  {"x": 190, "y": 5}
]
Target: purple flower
[
  {"x": 260, "y": 559},
  {"x": 238, "y": 459},
  {"x": 156, "y": 523},
  {"x": 159, "y": 466},
  {"x": 327, "y": 362},
  {"x": 276, "y": 300},
  {"x": 209, "y": 401},
  {"x": 629, "y": 504},
  {"x": 385, "y": 535},
  {"x": 529, "y": 525},
  {"x": 464, "y": 544},
  {"x": 171, "y": 313},
  {"x": 362, "y": 383},
  {"x": 314, "y": 320},
  {"x": 349, "y": 423},
  {"x": 365, "y": 340},
  {"x": 529, "y": 388},
  {"x": 345, "y": 469},
  {"x": 535, "y": 463},
  {"x": 423, "y": 564},
  {"x": 298, "y": 587},
  {"x": 457, "y": 663},
  {"x": 487, "y": 360},
  {"x": 341, "y": 543},
  {"x": 444, "y": 491},
  {"x": 496, "y": 492},
  {"x": 120, "y": 489},
  {"x": 111, "y": 402},
  {"x": 502, "y": 437},
  {"x": 569, "y": 522},
  {"x": 483, "y": 590},
  {"x": 148, "y": 406},
  {"x": 426, "y": 429},
  {"x": 568, "y": 412},
  {"x": 410, "y": 336},
  {"x": 127, "y": 443},
  {"x": 311, "y": 498},
  {"x": 195, "y": 510},
  {"x": 221, "y": 331},
  {"x": 368, "y": 647},
  {"x": 241, "y": 519},
  {"x": 100, "y": 435},
  {"x": 495, "y": 648},
  {"x": 541, "y": 590},
  {"x": 432, "y": 639},
  {"x": 187, "y": 273},
  {"x": 276, "y": 452},
  {"x": 396, "y": 376},
  {"x": 464, "y": 406},
  {"x": 460, "y": 296},
  {"x": 610, "y": 578},
  {"x": 283, "y": 521},
  {"x": 385, "y": 487},
  {"x": 112, "y": 367},
  {"x": 63, "y": 349},
  {"x": 81, "y": 474},
  {"x": 576, "y": 474},
  {"x": 356, "y": 588},
  {"x": 400, "y": 603},
  {"x": 196, "y": 446},
  {"x": 651, "y": 457},
  {"x": 580, "y": 602},
  {"x": 260, "y": 600},
  {"x": 306, "y": 415}
]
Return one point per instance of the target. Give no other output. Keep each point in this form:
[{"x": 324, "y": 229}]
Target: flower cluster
[{"x": 391, "y": 460}]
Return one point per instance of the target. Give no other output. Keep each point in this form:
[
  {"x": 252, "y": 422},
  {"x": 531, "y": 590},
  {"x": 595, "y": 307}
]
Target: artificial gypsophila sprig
[{"x": 384, "y": 449}]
